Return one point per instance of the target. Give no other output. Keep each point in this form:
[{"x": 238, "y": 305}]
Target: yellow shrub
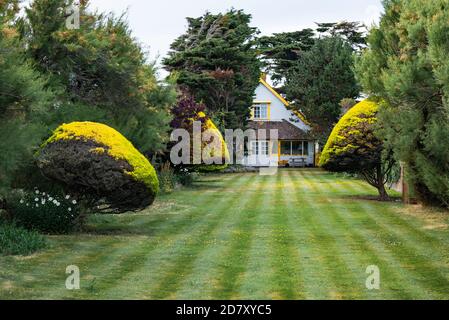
[
  {"x": 352, "y": 132},
  {"x": 114, "y": 144}
]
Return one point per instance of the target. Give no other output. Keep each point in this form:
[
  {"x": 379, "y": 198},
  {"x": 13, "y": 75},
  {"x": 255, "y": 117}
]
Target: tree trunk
[{"x": 383, "y": 195}]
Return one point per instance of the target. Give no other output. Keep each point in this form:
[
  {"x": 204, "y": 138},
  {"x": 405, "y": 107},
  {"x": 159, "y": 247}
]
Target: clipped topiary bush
[
  {"x": 354, "y": 147},
  {"x": 96, "y": 162},
  {"x": 213, "y": 161},
  {"x": 214, "y": 150}
]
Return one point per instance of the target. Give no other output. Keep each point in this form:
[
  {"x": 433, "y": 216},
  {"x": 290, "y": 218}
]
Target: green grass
[{"x": 301, "y": 234}]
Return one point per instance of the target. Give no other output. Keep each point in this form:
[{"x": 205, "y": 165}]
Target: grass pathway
[{"x": 300, "y": 234}]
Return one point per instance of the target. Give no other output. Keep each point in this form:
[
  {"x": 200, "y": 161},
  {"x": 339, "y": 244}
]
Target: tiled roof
[{"x": 286, "y": 130}]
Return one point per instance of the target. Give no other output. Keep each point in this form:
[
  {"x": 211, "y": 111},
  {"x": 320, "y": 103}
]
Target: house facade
[{"x": 293, "y": 146}]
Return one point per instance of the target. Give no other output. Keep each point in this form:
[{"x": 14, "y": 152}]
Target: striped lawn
[{"x": 300, "y": 234}]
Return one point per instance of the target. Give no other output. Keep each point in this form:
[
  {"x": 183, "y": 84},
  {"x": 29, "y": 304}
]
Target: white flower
[
  {"x": 67, "y": 197},
  {"x": 55, "y": 201},
  {"x": 37, "y": 200},
  {"x": 21, "y": 201},
  {"x": 37, "y": 205},
  {"x": 50, "y": 199},
  {"x": 74, "y": 201},
  {"x": 70, "y": 209},
  {"x": 58, "y": 204},
  {"x": 37, "y": 191},
  {"x": 43, "y": 193},
  {"x": 43, "y": 201}
]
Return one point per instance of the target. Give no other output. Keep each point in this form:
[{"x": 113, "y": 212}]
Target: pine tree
[
  {"x": 407, "y": 66},
  {"x": 216, "y": 62},
  {"x": 281, "y": 51},
  {"x": 320, "y": 80},
  {"x": 24, "y": 101},
  {"x": 101, "y": 71}
]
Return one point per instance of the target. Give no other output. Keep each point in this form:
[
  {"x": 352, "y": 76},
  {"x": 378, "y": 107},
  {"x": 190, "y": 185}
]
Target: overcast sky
[{"x": 156, "y": 23}]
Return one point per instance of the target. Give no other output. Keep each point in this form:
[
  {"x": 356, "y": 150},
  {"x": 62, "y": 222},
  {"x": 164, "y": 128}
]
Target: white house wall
[{"x": 278, "y": 111}]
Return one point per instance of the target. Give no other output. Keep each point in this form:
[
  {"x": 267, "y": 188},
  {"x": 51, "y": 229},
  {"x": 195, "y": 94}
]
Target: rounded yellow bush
[
  {"x": 218, "y": 137},
  {"x": 112, "y": 143},
  {"x": 352, "y": 137}
]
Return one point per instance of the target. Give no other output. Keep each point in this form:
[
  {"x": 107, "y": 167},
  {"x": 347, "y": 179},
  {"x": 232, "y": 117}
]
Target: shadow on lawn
[
  {"x": 118, "y": 231},
  {"x": 115, "y": 225},
  {"x": 395, "y": 199},
  {"x": 206, "y": 185}
]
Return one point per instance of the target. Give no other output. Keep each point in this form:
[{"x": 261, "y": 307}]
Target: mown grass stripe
[
  {"x": 233, "y": 264},
  {"x": 366, "y": 248},
  {"x": 315, "y": 278},
  {"x": 255, "y": 283},
  {"x": 429, "y": 239},
  {"x": 411, "y": 252},
  {"x": 284, "y": 258},
  {"x": 110, "y": 269},
  {"x": 187, "y": 255},
  {"x": 155, "y": 258},
  {"x": 333, "y": 243}
]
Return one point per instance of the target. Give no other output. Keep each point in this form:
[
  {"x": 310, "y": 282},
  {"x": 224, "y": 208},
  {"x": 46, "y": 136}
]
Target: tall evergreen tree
[
  {"x": 101, "y": 71},
  {"x": 281, "y": 51},
  {"x": 352, "y": 32},
  {"x": 407, "y": 65},
  {"x": 216, "y": 62},
  {"x": 23, "y": 101},
  {"x": 320, "y": 80}
]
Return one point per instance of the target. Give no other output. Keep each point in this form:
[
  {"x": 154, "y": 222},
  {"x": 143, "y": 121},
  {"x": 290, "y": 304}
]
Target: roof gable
[
  {"x": 274, "y": 92},
  {"x": 283, "y": 101}
]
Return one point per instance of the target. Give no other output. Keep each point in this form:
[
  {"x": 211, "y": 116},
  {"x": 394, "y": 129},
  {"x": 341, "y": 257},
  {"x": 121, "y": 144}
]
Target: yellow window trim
[{"x": 268, "y": 103}]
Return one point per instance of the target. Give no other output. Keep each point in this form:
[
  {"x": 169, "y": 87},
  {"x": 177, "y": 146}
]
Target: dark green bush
[
  {"x": 45, "y": 213},
  {"x": 19, "y": 241},
  {"x": 185, "y": 177}
]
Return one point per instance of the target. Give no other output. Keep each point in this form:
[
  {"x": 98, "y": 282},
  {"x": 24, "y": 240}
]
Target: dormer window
[{"x": 260, "y": 111}]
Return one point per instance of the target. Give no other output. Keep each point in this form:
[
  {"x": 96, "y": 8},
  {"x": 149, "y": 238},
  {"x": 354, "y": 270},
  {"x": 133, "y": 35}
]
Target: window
[
  {"x": 264, "y": 148},
  {"x": 305, "y": 148},
  {"x": 260, "y": 111},
  {"x": 286, "y": 147},
  {"x": 295, "y": 148},
  {"x": 255, "y": 147},
  {"x": 261, "y": 148}
]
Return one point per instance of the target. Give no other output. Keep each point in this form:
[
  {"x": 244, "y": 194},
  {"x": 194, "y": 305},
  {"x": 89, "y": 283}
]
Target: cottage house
[{"x": 294, "y": 145}]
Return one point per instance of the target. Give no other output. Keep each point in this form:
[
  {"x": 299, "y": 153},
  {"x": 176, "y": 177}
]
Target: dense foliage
[
  {"x": 216, "y": 62},
  {"x": 314, "y": 68},
  {"x": 46, "y": 213},
  {"x": 320, "y": 80},
  {"x": 213, "y": 151},
  {"x": 101, "y": 70},
  {"x": 352, "y": 32},
  {"x": 354, "y": 147},
  {"x": 281, "y": 51},
  {"x": 19, "y": 241},
  {"x": 407, "y": 65},
  {"x": 97, "y": 163},
  {"x": 51, "y": 74},
  {"x": 24, "y": 101}
]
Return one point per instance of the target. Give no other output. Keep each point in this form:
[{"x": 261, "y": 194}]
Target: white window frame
[
  {"x": 260, "y": 111},
  {"x": 260, "y": 148}
]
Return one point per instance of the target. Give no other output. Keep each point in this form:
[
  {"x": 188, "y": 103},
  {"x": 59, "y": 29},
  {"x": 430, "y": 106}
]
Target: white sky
[{"x": 156, "y": 23}]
